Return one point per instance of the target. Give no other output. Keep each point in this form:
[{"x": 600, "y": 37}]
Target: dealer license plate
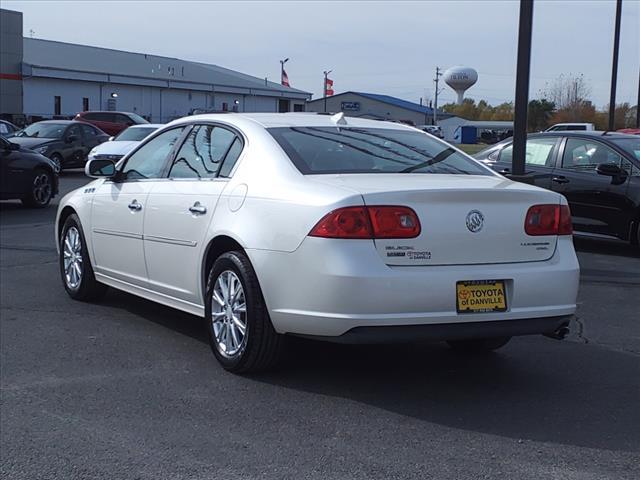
[{"x": 480, "y": 296}]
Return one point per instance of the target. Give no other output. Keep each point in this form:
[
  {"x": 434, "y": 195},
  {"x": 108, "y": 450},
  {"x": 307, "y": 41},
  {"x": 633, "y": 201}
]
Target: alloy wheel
[
  {"x": 42, "y": 188},
  {"x": 73, "y": 261},
  {"x": 229, "y": 314}
]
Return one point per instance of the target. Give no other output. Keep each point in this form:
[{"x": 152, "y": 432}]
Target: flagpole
[
  {"x": 282, "y": 62},
  {"x": 324, "y": 90}
]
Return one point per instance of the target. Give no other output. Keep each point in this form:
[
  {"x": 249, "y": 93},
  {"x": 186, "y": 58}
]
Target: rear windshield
[{"x": 318, "y": 150}]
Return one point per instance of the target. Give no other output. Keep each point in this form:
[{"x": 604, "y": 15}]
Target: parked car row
[
  {"x": 598, "y": 173},
  {"x": 33, "y": 156},
  {"x": 26, "y": 175}
]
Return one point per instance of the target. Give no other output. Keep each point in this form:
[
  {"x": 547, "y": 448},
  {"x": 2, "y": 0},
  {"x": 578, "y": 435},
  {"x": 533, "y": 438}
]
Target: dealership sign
[{"x": 350, "y": 106}]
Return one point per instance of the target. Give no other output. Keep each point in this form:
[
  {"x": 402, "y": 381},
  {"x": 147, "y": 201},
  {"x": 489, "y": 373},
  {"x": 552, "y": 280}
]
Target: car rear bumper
[
  {"x": 449, "y": 331},
  {"x": 329, "y": 287}
]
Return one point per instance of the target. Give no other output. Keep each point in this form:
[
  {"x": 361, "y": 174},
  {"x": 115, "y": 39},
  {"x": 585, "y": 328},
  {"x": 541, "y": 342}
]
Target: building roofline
[{"x": 273, "y": 87}]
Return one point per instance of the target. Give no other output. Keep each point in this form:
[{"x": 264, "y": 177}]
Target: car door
[
  {"x": 539, "y": 161},
  {"x": 179, "y": 210},
  {"x": 91, "y": 139},
  {"x": 598, "y": 203},
  {"x": 73, "y": 145},
  {"x": 15, "y": 170},
  {"x": 119, "y": 207}
]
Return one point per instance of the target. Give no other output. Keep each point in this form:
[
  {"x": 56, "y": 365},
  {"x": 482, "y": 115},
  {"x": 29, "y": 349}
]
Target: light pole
[
  {"x": 324, "y": 89},
  {"x": 522, "y": 90},
  {"x": 282, "y": 62},
  {"x": 614, "y": 66}
]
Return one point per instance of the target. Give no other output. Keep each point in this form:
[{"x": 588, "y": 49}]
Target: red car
[
  {"x": 630, "y": 131},
  {"x": 111, "y": 122}
]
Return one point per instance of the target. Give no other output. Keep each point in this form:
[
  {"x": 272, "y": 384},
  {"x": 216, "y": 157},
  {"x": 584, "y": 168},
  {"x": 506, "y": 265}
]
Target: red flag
[
  {"x": 285, "y": 78},
  {"x": 328, "y": 88}
]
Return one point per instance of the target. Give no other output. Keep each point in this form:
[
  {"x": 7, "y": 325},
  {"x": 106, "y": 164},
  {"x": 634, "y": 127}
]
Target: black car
[
  {"x": 66, "y": 142},
  {"x": 26, "y": 175},
  {"x": 598, "y": 172},
  {"x": 7, "y": 128}
]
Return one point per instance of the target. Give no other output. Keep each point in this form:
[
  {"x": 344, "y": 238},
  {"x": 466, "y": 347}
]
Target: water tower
[{"x": 460, "y": 79}]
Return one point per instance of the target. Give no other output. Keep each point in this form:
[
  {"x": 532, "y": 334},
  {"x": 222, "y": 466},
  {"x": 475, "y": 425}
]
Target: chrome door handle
[
  {"x": 560, "y": 179},
  {"x": 197, "y": 208},
  {"x": 135, "y": 206}
]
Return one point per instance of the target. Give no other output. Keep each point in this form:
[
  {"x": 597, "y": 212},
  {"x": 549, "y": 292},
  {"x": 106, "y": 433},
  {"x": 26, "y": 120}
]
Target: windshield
[
  {"x": 134, "y": 134},
  {"x": 137, "y": 118},
  {"x": 43, "y": 130},
  {"x": 325, "y": 150},
  {"x": 630, "y": 145}
]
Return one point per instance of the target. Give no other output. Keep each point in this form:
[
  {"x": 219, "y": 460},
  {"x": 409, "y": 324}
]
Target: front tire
[
  {"x": 478, "y": 345},
  {"x": 241, "y": 335},
  {"x": 56, "y": 158},
  {"x": 75, "y": 265},
  {"x": 41, "y": 191}
]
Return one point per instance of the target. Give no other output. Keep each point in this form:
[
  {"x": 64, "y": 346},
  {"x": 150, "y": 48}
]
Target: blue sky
[{"x": 382, "y": 47}]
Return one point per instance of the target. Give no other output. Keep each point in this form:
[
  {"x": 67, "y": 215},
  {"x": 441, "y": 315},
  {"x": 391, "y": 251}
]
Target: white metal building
[{"x": 61, "y": 79}]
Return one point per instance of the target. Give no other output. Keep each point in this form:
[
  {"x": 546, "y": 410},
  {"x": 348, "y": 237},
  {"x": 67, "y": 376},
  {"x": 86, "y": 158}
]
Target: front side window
[
  {"x": 586, "y": 154},
  {"x": 326, "y": 150},
  {"x": 539, "y": 152},
  {"x": 202, "y": 153},
  {"x": 148, "y": 161}
]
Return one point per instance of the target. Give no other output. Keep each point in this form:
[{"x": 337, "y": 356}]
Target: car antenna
[{"x": 339, "y": 119}]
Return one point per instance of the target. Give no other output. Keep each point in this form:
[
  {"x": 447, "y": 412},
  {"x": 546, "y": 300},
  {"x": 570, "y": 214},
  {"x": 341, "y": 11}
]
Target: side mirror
[
  {"x": 72, "y": 138},
  {"x": 609, "y": 169},
  {"x": 99, "y": 168}
]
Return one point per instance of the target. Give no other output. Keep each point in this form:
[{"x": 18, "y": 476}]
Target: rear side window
[
  {"x": 539, "y": 152},
  {"x": 326, "y": 150},
  {"x": 89, "y": 131},
  {"x": 203, "y": 152}
]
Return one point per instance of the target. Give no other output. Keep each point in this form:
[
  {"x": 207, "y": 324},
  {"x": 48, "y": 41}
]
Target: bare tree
[{"x": 570, "y": 95}]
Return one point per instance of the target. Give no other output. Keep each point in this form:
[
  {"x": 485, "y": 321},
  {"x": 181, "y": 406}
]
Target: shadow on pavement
[
  {"x": 533, "y": 389},
  {"x": 605, "y": 247}
]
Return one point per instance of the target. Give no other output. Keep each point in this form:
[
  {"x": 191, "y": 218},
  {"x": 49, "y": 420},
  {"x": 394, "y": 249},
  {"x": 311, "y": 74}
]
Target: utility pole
[
  {"x": 522, "y": 90},
  {"x": 435, "y": 103},
  {"x": 614, "y": 66},
  {"x": 324, "y": 89}
]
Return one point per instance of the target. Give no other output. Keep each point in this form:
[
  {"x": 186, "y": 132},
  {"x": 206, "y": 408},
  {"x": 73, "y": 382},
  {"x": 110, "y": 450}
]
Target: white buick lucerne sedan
[{"x": 335, "y": 228}]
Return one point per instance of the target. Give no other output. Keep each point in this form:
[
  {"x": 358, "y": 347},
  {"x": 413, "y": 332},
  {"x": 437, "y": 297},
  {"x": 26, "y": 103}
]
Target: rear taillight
[
  {"x": 368, "y": 222},
  {"x": 548, "y": 220}
]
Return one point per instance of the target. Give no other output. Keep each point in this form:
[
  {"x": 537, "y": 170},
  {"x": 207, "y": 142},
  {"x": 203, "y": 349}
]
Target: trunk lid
[{"x": 465, "y": 219}]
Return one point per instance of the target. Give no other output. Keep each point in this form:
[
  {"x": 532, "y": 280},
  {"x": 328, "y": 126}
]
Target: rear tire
[
  {"x": 75, "y": 265},
  {"x": 241, "y": 335},
  {"x": 478, "y": 345},
  {"x": 41, "y": 191}
]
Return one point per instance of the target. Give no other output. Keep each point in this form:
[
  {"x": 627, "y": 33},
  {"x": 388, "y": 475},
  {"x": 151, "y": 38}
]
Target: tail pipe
[{"x": 560, "y": 333}]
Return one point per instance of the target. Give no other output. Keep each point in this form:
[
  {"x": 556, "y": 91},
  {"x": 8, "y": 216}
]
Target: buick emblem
[{"x": 475, "y": 221}]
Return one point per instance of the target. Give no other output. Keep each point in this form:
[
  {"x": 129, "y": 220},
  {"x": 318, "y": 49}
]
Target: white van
[{"x": 571, "y": 127}]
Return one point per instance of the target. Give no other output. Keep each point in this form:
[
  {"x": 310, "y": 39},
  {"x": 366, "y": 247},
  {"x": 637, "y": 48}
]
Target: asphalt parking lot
[{"x": 127, "y": 389}]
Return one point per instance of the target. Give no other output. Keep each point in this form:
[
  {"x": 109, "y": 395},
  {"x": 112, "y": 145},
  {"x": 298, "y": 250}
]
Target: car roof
[
  {"x": 584, "y": 133},
  {"x": 104, "y": 111},
  {"x": 147, "y": 125},
  {"x": 272, "y": 120}
]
